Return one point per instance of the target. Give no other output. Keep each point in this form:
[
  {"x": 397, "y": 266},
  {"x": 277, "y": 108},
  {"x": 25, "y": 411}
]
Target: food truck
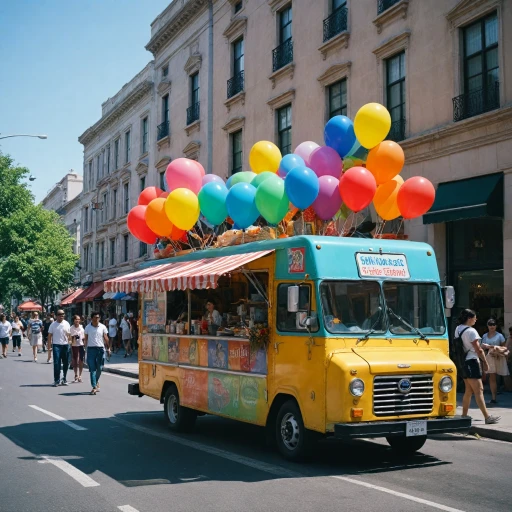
[{"x": 308, "y": 336}]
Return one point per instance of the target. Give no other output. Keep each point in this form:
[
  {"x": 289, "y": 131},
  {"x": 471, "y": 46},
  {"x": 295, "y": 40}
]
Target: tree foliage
[{"x": 14, "y": 194}]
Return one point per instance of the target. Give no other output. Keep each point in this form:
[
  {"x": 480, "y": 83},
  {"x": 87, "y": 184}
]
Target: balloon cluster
[{"x": 355, "y": 167}]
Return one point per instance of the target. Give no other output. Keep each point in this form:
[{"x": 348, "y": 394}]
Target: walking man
[
  {"x": 96, "y": 341},
  {"x": 59, "y": 338}
]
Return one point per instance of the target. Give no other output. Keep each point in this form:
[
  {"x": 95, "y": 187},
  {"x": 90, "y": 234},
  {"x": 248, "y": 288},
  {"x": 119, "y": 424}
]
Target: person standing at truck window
[
  {"x": 472, "y": 366},
  {"x": 494, "y": 342}
]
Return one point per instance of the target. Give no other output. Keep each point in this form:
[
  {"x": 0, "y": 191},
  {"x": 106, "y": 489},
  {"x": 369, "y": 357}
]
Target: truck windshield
[
  {"x": 352, "y": 306},
  {"x": 413, "y": 307}
]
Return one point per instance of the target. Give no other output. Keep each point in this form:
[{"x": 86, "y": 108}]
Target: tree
[{"x": 14, "y": 195}]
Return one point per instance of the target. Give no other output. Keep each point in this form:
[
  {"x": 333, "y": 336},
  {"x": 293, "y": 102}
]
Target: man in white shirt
[
  {"x": 95, "y": 342},
  {"x": 59, "y": 339},
  {"x": 112, "y": 331}
]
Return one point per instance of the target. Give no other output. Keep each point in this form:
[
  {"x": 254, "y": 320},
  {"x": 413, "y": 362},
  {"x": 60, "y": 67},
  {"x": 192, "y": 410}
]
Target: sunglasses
[{"x": 490, "y": 324}]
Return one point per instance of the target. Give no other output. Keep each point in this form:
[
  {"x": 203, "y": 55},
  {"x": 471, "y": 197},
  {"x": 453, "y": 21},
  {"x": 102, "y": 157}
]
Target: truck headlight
[
  {"x": 446, "y": 384},
  {"x": 356, "y": 387}
]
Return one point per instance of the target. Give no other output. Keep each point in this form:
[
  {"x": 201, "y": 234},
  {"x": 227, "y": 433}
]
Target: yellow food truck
[{"x": 307, "y": 336}]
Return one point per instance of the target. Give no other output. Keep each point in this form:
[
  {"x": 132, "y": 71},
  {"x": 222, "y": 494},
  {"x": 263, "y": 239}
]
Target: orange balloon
[
  {"x": 385, "y": 161},
  {"x": 156, "y": 219},
  {"x": 385, "y": 200}
]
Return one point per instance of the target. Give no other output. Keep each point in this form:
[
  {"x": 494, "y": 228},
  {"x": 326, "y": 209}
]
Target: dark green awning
[{"x": 481, "y": 196}]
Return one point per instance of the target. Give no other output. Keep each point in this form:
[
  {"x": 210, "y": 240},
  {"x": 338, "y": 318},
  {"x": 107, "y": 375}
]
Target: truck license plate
[{"x": 416, "y": 428}]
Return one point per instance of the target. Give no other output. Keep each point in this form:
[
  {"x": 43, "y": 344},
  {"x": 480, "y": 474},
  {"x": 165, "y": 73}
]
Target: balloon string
[{"x": 400, "y": 226}]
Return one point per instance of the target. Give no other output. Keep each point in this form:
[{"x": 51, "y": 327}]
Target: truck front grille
[{"x": 388, "y": 400}]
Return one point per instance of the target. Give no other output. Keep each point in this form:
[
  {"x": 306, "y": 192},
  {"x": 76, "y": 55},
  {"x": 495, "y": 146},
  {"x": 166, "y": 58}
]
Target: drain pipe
[{"x": 210, "y": 88}]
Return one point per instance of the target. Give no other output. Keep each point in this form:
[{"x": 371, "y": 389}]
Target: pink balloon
[
  {"x": 183, "y": 173},
  {"x": 200, "y": 167},
  {"x": 326, "y": 161},
  {"x": 208, "y": 178},
  {"x": 328, "y": 201},
  {"x": 304, "y": 150}
]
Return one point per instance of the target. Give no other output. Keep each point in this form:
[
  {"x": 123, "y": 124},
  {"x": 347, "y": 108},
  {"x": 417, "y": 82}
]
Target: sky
[{"x": 60, "y": 60}]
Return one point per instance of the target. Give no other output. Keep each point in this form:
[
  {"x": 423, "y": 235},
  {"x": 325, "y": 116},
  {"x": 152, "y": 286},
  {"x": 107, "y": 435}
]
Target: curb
[
  {"x": 124, "y": 373},
  {"x": 499, "y": 435}
]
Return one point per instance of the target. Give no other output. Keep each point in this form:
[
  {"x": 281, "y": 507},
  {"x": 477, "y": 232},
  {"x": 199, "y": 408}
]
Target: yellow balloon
[
  {"x": 264, "y": 156},
  {"x": 385, "y": 198},
  {"x": 182, "y": 208},
  {"x": 372, "y": 124}
]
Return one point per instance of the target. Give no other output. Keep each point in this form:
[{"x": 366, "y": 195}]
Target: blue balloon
[
  {"x": 212, "y": 202},
  {"x": 288, "y": 163},
  {"x": 302, "y": 187},
  {"x": 339, "y": 134},
  {"x": 241, "y": 204}
]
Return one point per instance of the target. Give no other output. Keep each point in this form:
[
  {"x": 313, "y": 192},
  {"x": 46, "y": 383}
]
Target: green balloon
[
  {"x": 242, "y": 177},
  {"x": 260, "y": 178},
  {"x": 271, "y": 200}
]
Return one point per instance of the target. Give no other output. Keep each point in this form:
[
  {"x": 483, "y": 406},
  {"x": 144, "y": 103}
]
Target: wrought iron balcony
[
  {"x": 476, "y": 102},
  {"x": 397, "y": 131},
  {"x": 282, "y": 55},
  {"x": 162, "y": 130},
  {"x": 385, "y": 4},
  {"x": 193, "y": 113},
  {"x": 335, "y": 24},
  {"x": 236, "y": 84}
]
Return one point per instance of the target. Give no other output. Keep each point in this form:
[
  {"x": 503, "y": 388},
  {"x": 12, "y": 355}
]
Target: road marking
[
  {"x": 246, "y": 461},
  {"x": 60, "y": 418},
  {"x": 127, "y": 508},
  {"x": 73, "y": 472},
  {"x": 398, "y": 494}
]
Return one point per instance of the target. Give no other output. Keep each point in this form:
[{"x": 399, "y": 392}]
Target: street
[{"x": 63, "y": 449}]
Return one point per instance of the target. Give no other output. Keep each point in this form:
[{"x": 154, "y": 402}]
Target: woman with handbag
[{"x": 494, "y": 343}]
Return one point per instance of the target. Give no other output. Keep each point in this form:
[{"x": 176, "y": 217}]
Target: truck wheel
[
  {"x": 406, "y": 445},
  {"x": 294, "y": 441},
  {"x": 180, "y": 419}
]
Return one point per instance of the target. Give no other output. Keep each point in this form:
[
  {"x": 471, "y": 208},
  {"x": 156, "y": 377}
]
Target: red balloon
[
  {"x": 137, "y": 226},
  {"x": 148, "y": 194},
  {"x": 357, "y": 188},
  {"x": 164, "y": 195},
  {"x": 415, "y": 197}
]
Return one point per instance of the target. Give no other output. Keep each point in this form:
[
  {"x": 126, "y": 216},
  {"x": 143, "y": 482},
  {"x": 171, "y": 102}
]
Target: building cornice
[
  {"x": 397, "y": 11},
  {"x": 468, "y": 10},
  {"x": 191, "y": 150},
  {"x": 393, "y": 45},
  {"x": 236, "y": 28},
  {"x": 335, "y": 73},
  {"x": 281, "y": 100},
  {"x": 233, "y": 125}
]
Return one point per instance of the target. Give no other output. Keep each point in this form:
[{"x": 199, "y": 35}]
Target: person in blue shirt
[{"x": 35, "y": 336}]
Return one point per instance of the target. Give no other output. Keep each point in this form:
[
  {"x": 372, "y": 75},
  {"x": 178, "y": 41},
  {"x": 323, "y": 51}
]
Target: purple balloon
[
  {"x": 304, "y": 150},
  {"x": 328, "y": 201},
  {"x": 325, "y": 161},
  {"x": 208, "y": 178}
]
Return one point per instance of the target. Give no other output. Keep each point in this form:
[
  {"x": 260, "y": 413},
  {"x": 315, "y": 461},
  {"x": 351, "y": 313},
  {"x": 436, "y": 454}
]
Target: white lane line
[
  {"x": 127, "y": 508},
  {"x": 398, "y": 494},
  {"x": 246, "y": 461},
  {"x": 57, "y": 417},
  {"x": 73, "y": 472}
]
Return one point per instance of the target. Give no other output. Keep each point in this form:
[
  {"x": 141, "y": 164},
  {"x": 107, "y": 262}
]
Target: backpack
[{"x": 459, "y": 354}]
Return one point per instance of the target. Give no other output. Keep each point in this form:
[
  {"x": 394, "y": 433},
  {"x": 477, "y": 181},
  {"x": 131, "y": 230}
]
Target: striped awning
[{"x": 198, "y": 274}]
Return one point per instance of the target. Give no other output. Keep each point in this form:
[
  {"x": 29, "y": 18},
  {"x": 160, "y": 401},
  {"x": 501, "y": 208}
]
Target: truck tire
[
  {"x": 294, "y": 441},
  {"x": 406, "y": 445},
  {"x": 180, "y": 419}
]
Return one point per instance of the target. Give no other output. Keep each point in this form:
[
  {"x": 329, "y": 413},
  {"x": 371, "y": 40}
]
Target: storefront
[
  {"x": 68, "y": 304},
  {"x": 87, "y": 298}
]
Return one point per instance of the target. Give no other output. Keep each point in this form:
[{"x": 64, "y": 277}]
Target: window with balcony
[
  {"x": 127, "y": 146},
  {"x": 114, "y": 203},
  {"x": 383, "y": 5},
  {"x": 193, "y": 109},
  {"x": 481, "y": 69},
  {"x": 337, "y": 94},
  {"x": 336, "y": 23},
  {"x": 126, "y": 198},
  {"x": 112, "y": 251},
  {"x": 236, "y": 152},
  {"x": 116, "y": 154},
  {"x": 163, "y": 127},
  {"x": 236, "y": 82},
  {"x": 284, "y": 129},
  {"x": 395, "y": 95},
  {"x": 143, "y": 249},
  {"x": 125, "y": 247},
  {"x": 283, "y": 54},
  {"x": 145, "y": 135}
]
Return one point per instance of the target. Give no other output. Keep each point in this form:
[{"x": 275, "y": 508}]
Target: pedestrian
[
  {"x": 5, "y": 332},
  {"x": 494, "y": 343},
  {"x": 96, "y": 341},
  {"x": 46, "y": 325},
  {"x": 59, "y": 338},
  {"x": 126, "y": 333},
  {"x": 472, "y": 370},
  {"x": 24, "y": 321},
  {"x": 134, "y": 326},
  {"x": 34, "y": 330},
  {"x": 77, "y": 347},
  {"x": 112, "y": 331},
  {"x": 17, "y": 329}
]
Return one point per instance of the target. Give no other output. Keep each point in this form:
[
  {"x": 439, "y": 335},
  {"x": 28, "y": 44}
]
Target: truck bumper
[
  {"x": 133, "y": 389},
  {"x": 397, "y": 428}
]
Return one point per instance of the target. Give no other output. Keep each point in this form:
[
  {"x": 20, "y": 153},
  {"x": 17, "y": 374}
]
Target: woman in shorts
[
  {"x": 17, "y": 329},
  {"x": 77, "y": 347},
  {"x": 5, "y": 332},
  {"x": 35, "y": 334}
]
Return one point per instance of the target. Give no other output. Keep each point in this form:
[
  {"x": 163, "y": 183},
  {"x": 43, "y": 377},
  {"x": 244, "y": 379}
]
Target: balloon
[
  {"x": 357, "y": 188},
  {"x": 304, "y": 150},
  {"x": 288, "y": 163},
  {"x": 372, "y": 124},
  {"x": 184, "y": 173},
  {"x": 200, "y": 167},
  {"x": 385, "y": 161},
  {"x": 260, "y": 178},
  {"x": 339, "y": 134},
  {"x": 165, "y": 195},
  {"x": 212, "y": 201},
  {"x": 156, "y": 219},
  {"x": 271, "y": 200},
  {"x": 241, "y": 177},
  {"x": 241, "y": 204},
  {"x": 385, "y": 200},
  {"x": 328, "y": 201},
  {"x": 137, "y": 226},
  {"x": 302, "y": 186},
  {"x": 208, "y": 178},
  {"x": 148, "y": 194},
  {"x": 325, "y": 161},
  {"x": 182, "y": 208},
  {"x": 415, "y": 197},
  {"x": 264, "y": 156}
]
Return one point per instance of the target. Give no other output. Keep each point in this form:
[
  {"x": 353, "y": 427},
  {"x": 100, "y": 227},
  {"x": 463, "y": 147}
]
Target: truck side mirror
[
  {"x": 449, "y": 297},
  {"x": 293, "y": 299}
]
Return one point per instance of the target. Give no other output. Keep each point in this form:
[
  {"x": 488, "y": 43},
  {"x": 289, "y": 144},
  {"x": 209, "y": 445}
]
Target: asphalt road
[{"x": 117, "y": 454}]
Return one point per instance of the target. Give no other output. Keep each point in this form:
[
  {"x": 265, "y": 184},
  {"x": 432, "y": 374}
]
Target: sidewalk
[{"x": 129, "y": 366}]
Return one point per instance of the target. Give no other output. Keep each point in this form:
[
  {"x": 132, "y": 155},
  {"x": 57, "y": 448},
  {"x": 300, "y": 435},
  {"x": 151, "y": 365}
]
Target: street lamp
[{"x": 25, "y": 135}]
